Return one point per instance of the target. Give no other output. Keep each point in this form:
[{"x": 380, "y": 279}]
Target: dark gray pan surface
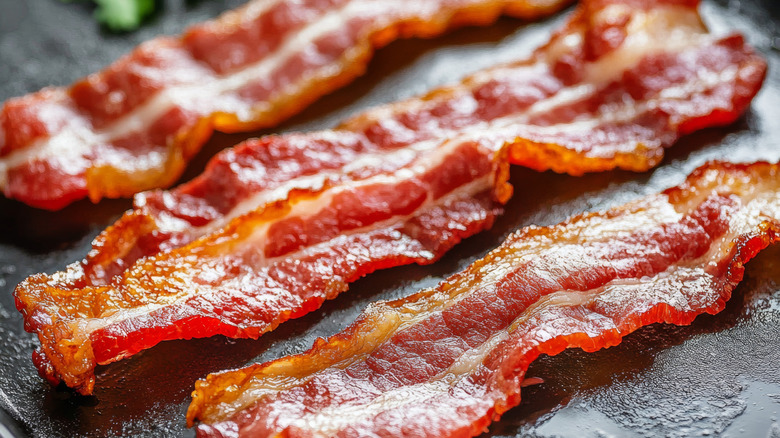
[{"x": 720, "y": 376}]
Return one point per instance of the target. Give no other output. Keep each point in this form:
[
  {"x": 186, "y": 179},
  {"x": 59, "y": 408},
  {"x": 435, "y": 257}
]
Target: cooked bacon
[
  {"x": 135, "y": 125},
  {"x": 277, "y": 262},
  {"x": 449, "y": 360},
  {"x": 264, "y": 234}
]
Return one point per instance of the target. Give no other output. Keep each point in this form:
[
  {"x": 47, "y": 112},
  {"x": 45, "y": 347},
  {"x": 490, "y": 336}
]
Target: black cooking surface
[{"x": 717, "y": 377}]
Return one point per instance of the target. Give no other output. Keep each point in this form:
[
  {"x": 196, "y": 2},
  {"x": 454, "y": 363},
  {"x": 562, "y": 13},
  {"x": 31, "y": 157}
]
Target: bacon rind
[
  {"x": 155, "y": 154},
  {"x": 737, "y": 206},
  {"x": 171, "y": 226}
]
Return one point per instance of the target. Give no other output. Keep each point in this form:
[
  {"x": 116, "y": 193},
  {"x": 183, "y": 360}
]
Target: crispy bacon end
[
  {"x": 449, "y": 360},
  {"x": 135, "y": 125},
  {"x": 230, "y": 252}
]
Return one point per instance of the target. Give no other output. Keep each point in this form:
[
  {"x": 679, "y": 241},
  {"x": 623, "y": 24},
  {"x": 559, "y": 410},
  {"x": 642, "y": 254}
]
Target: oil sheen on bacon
[
  {"x": 448, "y": 360},
  {"x": 230, "y": 252},
  {"x": 135, "y": 125}
]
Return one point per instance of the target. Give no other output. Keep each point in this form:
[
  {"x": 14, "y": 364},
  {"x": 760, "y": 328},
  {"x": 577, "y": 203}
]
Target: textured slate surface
[{"x": 718, "y": 377}]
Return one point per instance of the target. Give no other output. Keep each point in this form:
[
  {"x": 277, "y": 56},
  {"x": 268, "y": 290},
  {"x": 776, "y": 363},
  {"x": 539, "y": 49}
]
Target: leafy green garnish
[{"x": 122, "y": 15}]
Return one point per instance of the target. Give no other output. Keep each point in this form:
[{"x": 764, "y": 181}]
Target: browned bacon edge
[
  {"x": 216, "y": 255},
  {"x": 63, "y": 144},
  {"x": 585, "y": 283}
]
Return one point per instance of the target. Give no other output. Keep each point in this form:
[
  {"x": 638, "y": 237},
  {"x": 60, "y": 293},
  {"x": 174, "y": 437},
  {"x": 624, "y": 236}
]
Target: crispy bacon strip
[
  {"x": 135, "y": 125},
  {"x": 217, "y": 255},
  {"x": 448, "y": 360}
]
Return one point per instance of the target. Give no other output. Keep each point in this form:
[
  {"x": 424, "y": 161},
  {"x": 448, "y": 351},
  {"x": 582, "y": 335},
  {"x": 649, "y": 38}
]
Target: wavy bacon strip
[
  {"x": 277, "y": 225},
  {"x": 135, "y": 125},
  {"x": 449, "y": 360}
]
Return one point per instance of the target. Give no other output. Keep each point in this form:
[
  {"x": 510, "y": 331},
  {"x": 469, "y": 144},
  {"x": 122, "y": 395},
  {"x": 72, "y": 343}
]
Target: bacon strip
[
  {"x": 448, "y": 360},
  {"x": 277, "y": 225},
  {"x": 135, "y": 125}
]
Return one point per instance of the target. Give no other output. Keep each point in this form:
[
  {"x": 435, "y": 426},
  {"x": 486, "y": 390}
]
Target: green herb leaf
[{"x": 121, "y": 15}]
